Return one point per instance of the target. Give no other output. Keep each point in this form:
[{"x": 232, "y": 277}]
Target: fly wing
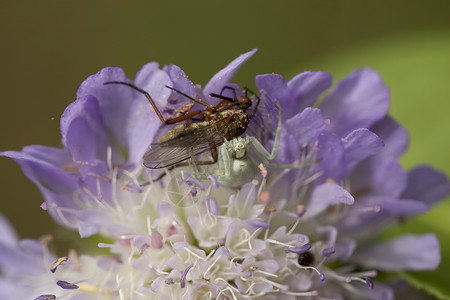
[{"x": 200, "y": 139}]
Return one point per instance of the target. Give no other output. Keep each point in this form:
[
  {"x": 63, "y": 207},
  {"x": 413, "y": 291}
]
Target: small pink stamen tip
[
  {"x": 46, "y": 239},
  {"x": 265, "y": 197},
  {"x": 44, "y": 206},
  {"x": 300, "y": 211},
  {"x": 156, "y": 241},
  {"x": 263, "y": 170},
  {"x": 172, "y": 230}
]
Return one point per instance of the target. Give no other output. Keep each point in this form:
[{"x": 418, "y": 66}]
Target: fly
[{"x": 217, "y": 124}]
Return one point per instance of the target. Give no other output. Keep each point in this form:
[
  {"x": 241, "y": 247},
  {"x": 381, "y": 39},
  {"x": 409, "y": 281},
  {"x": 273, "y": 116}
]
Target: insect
[
  {"x": 223, "y": 122},
  {"x": 305, "y": 259},
  {"x": 234, "y": 167}
]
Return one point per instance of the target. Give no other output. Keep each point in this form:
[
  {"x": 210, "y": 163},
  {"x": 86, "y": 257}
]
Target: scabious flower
[{"x": 306, "y": 226}]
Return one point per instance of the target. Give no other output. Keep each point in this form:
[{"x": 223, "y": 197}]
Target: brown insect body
[
  {"x": 225, "y": 121},
  {"x": 229, "y": 124}
]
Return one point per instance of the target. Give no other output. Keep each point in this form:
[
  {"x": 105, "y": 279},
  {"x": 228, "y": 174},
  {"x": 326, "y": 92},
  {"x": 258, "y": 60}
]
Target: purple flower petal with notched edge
[
  {"x": 373, "y": 213},
  {"x": 360, "y": 144},
  {"x": 306, "y": 88},
  {"x": 306, "y": 126},
  {"x": 404, "y": 253},
  {"x": 129, "y": 118},
  {"x": 357, "y": 101},
  {"x": 331, "y": 156},
  {"x": 389, "y": 179},
  {"x": 426, "y": 184},
  {"x": 56, "y": 185},
  {"x": 114, "y": 101},
  {"x": 83, "y": 132},
  {"x": 394, "y": 136},
  {"x": 324, "y": 196},
  {"x": 273, "y": 85},
  {"x": 92, "y": 221}
]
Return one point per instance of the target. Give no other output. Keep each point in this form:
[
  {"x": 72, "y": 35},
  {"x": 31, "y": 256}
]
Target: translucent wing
[
  {"x": 264, "y": 124},
  {"x": 195, "y": 138}
]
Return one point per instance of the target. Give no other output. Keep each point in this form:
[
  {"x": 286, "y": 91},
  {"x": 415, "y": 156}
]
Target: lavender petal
[
  {"x": 224, "y": 76},
  {"x": 408, "y": 252},
  {"x": 427, "y": 185},
  {"x": 357, "y": 101}
]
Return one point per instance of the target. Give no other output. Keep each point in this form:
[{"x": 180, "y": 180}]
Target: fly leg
[
  {"x": 158, "y": 113},
  {"x": 270, "y": 156}
]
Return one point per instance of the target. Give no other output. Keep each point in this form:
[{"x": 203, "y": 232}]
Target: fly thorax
[{"x": 237, "y": 124}]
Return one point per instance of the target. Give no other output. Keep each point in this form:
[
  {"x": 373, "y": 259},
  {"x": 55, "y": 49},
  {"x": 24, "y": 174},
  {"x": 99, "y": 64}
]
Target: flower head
[{"x": 304, "y": 226}]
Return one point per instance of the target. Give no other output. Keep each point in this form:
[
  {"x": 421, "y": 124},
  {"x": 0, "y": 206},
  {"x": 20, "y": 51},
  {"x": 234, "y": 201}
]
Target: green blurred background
[{"x": 49, "y": 47}]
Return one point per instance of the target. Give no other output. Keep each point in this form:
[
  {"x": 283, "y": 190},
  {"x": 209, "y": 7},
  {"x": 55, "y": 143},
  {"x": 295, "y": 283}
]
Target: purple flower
[{"x": 334, "y": 185}]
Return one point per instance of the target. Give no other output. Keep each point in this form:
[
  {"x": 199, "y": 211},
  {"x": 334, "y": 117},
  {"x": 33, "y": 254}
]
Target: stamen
[
  {"x": 210, "y": 267},
  {"x": 298, "y": 250},
  {"x": 265, "y": 273},
  {"x": 57, "y": 263},
  {"x": 278, "y": 243},
  {"x": 73, "y": 256},
  {"x": 114, "y": 195},
  {"x": 282, "y": 287},
  {"x": 263, "y": 170},
  {"x": 297, "y": 221},
  {"x": 300, "y": 211},
  {"x": 67, "y": 285},
  {"x": 256, "y": 223},
  {"x": 319, "y": 273},
  {"x": 264, "y": 197},
  {"x": 156, "y": 240},
  {"x": 211, "y": 205},
  {"x": 90, "y": 288},
  {"x": 104, "y": 245},
  {"x": 194, "y": 181},
  {"x": 369, "y": 282},
  {"x": 109, "y": 158},
  {"x": 143, "y": 248},
  {"x": 131, "y": 187},
  {"x": 327, "y": 252},
  {"x": 45, "y": 297},
  {"x": 192, "y": 253},
  {"x": 213, "y": 180},
  {"x": 250, "y": 192},
  {"x": 44, "y": 206},
  {"x": 249, "y": 272},
  {"x": 169, "y": 281},
  {"x": 183, "y": 276},
  {"x": 303, "y": 294},
  {"x": 229, "y": 288},
  {"x": 59, "y": 212}
]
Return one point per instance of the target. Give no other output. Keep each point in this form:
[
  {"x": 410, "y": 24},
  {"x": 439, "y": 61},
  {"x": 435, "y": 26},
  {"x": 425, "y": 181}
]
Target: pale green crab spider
[{"x": 234, "y": 167}]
